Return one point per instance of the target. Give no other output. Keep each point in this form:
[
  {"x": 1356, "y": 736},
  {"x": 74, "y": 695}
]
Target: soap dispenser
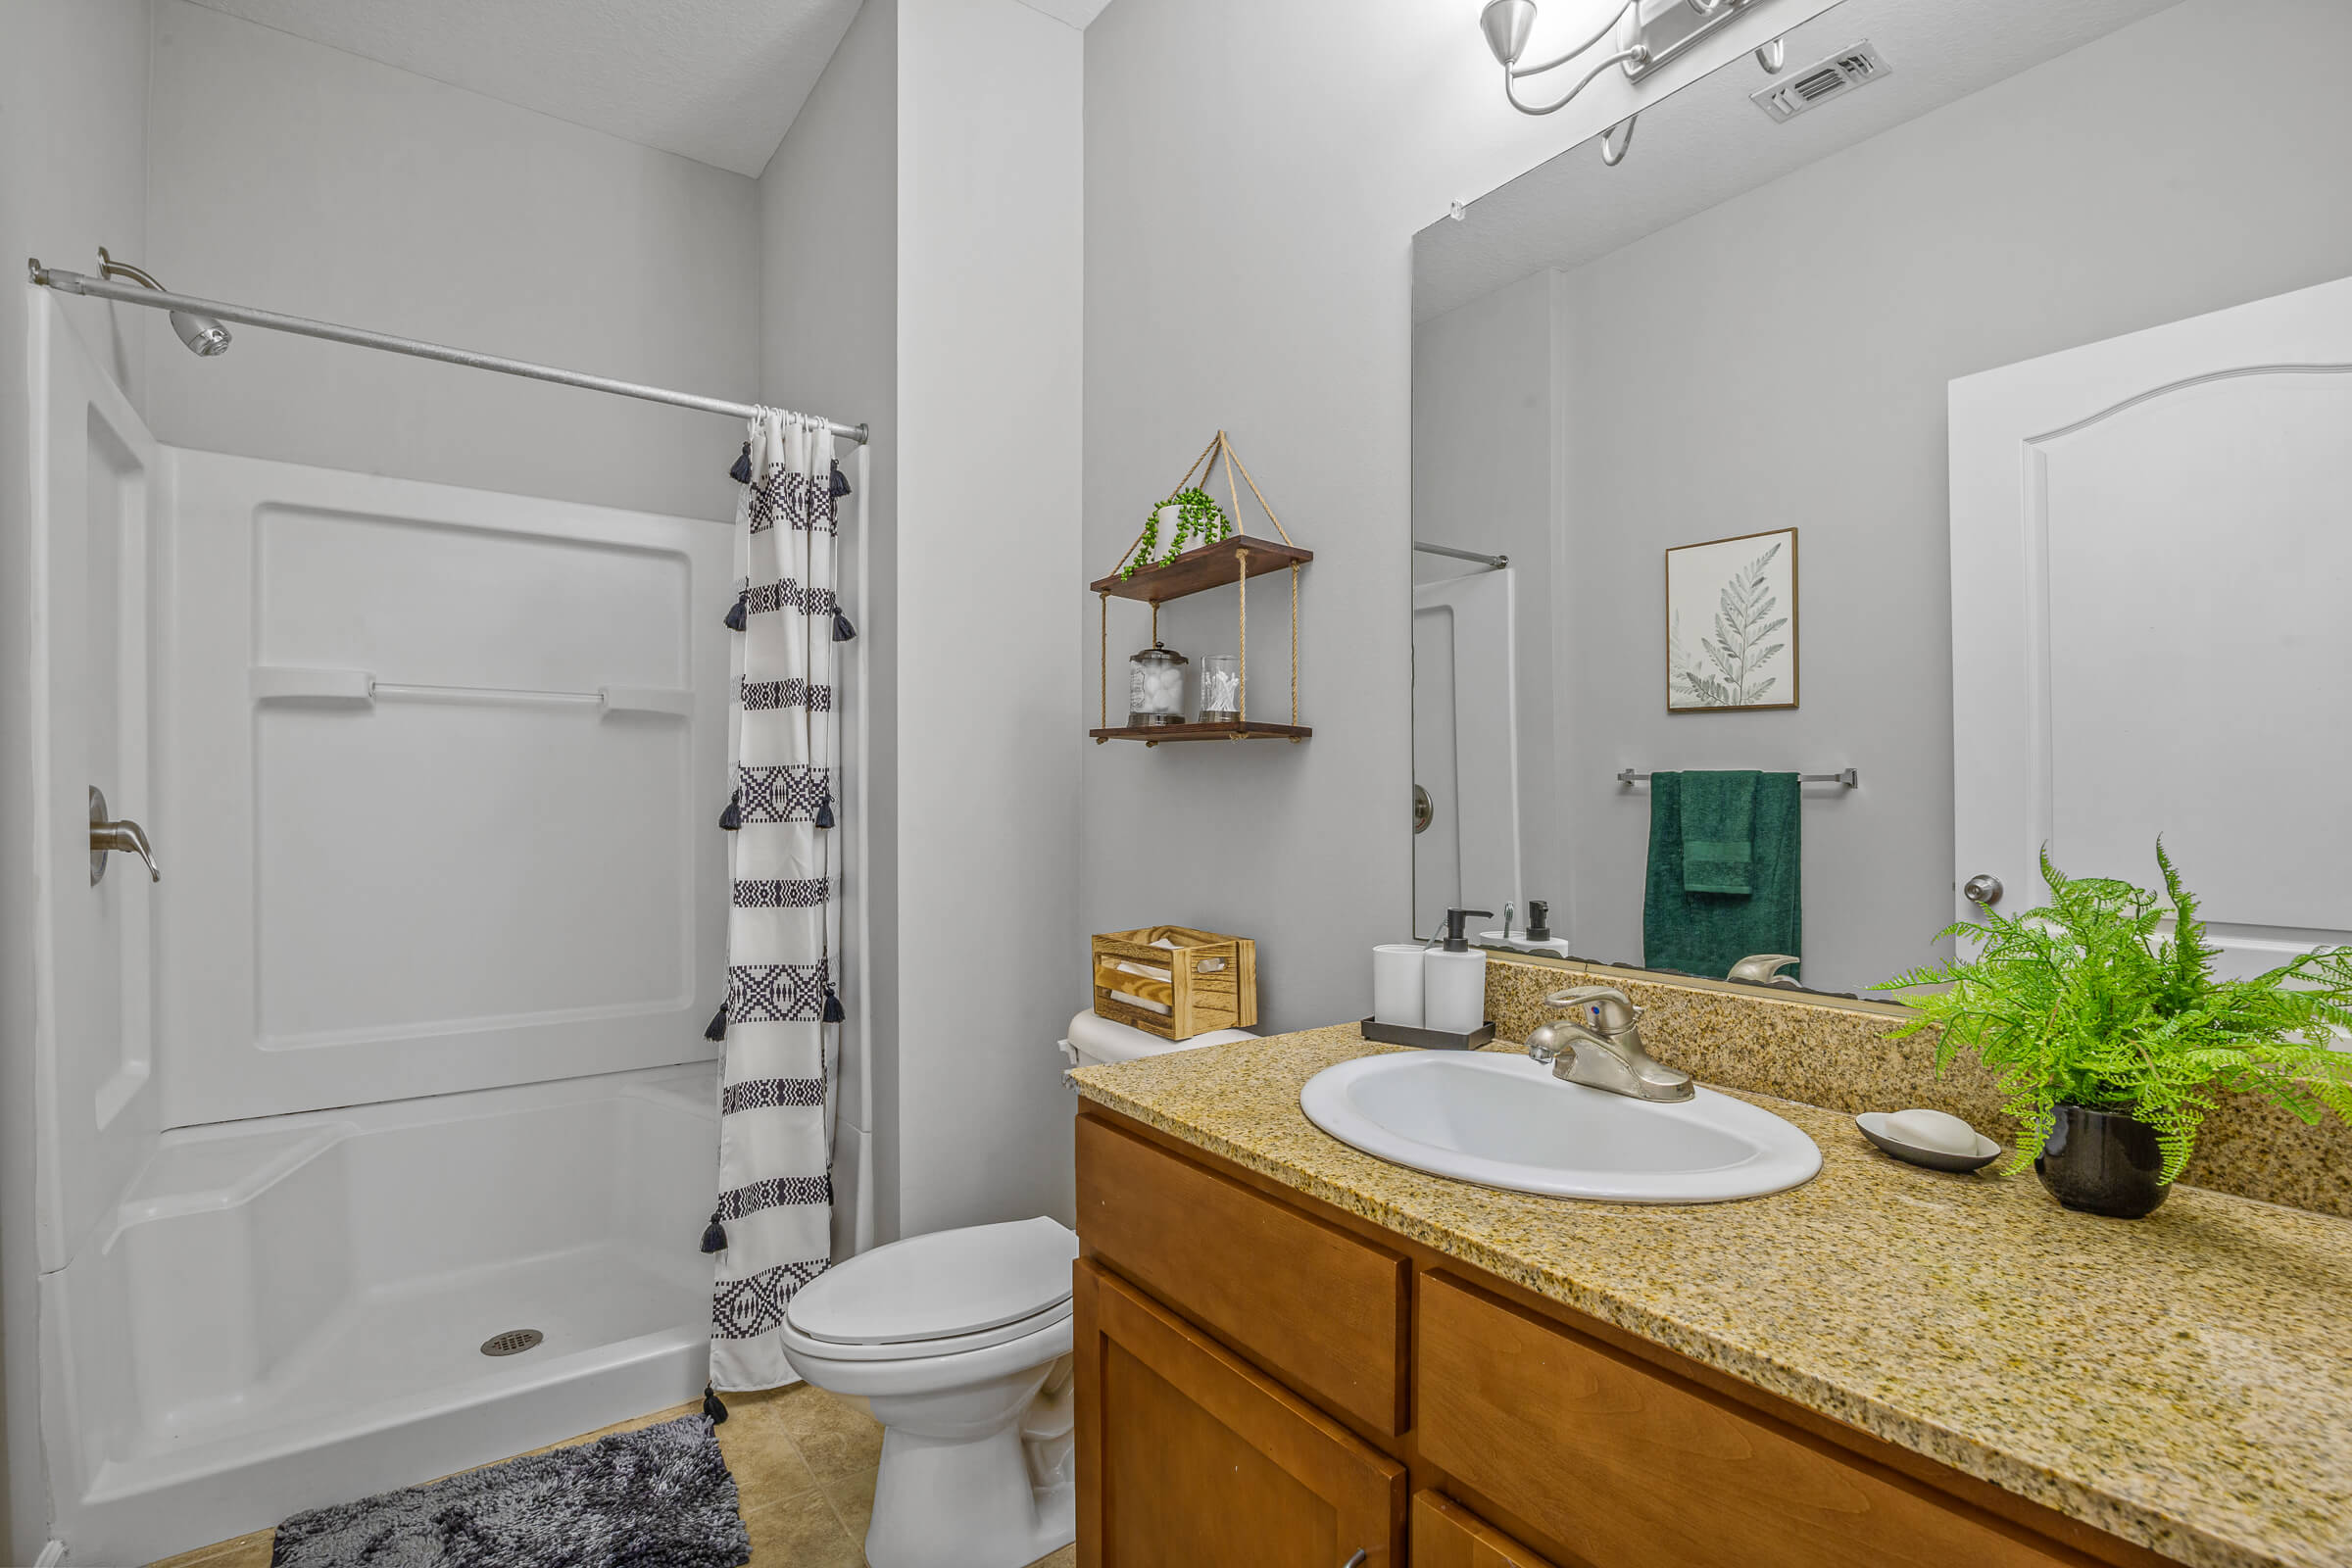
[{"x": 1453, "y": 982}]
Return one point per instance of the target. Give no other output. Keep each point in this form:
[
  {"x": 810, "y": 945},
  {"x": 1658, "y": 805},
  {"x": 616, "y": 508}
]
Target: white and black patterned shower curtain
[{"x": 774, "y": 1160}]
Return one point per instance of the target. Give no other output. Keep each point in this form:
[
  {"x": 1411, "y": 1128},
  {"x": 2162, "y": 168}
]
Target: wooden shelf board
[
  {"x": 1216, "y": 565},
  {"x": 1251, "y": 731}
]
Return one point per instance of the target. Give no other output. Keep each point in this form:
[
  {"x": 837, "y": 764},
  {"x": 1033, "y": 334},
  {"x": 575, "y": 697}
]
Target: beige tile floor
[{"x": 804, "y": 1466}]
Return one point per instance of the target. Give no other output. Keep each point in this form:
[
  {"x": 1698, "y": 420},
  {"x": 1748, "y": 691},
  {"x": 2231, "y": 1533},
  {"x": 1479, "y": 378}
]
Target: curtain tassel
[
  {"x": 713, "y": 1405},
  {"x": 717, "y": 1028},
  {"x": 740, "y": 615},
  {"x": 833, "y": 1013},
  {"x": 732, "y": 817},
  {"x": 841, "y": 481},
  {"x": 715, "y": 1235},
  {"x": 741, "y": 473},
  {"x": 824, "y": 811},
  {"x": 842, "y": 631}
]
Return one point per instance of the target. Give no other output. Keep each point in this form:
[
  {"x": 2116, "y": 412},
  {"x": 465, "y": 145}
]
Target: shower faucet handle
[{"x": 125, "y": 837}]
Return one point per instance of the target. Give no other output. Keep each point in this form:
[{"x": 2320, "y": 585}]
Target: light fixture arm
[
  {"x": 1557, "y": 60},
  {"x": 1511, "y": 86},
  {"x": 1647, "y": 40}
]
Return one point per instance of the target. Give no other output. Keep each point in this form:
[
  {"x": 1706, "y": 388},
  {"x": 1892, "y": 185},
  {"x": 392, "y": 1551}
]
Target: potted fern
[{"x": 2111, "y": 1036}]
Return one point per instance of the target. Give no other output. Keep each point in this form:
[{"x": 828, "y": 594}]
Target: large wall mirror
[{"x": 1819, "y": 511}]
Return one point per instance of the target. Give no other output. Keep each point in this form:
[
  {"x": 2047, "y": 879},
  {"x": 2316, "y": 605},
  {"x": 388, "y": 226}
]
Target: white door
[
  {"x": 96, "y": 543},
  {"x": 2151, "y": 548},
  {"x": 1466, "y": 747}
]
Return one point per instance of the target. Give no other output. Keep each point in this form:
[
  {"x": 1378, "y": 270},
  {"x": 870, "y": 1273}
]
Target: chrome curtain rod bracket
[
  {"x": 1498, "y": 563},
  {"x": 417, "y": 348},
  {"x": 1849, "y": 778}
]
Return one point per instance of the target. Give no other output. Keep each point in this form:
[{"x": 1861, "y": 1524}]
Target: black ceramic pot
[{"x": 2102, "y": 1162}]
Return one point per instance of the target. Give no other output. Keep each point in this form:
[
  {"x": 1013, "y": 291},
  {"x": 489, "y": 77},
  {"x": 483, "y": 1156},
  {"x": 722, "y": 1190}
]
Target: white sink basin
[{"x": 1505, "y": 1121}]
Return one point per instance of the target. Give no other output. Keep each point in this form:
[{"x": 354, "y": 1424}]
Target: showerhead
[{"x": 203, "y": 336}]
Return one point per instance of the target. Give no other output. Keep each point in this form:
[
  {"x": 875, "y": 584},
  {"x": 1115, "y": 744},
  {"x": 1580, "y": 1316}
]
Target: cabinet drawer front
[
  {"x": 1447, "y": 1535},
  {"x": 1304, "y": 1296},
  {"x": 1628, "y": 1468},
  {"x": 1188, "y": 1457}
]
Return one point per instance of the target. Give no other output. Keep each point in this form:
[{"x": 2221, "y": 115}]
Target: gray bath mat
[{"x": 658, "y": 1497}]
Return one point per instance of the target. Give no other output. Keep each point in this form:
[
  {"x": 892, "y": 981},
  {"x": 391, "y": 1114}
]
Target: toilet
[{"x": 958, "y": 1342}]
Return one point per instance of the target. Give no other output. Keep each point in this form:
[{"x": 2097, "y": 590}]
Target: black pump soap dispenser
[
  {"x": 1457, "y": 940},
  {"x": 1538, "y": 920}
]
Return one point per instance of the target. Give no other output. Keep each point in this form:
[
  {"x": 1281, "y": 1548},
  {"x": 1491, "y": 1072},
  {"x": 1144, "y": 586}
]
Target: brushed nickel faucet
[
  {"x": 1602, "y": 1050},
  {"x": 1764, "y": 969}
]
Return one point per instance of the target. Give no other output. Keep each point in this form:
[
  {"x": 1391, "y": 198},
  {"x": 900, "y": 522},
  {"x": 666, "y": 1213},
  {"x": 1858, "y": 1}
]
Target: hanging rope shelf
[{"x": 1229, "y": 563}]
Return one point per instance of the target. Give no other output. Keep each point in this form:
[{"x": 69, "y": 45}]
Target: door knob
[
  {"x": 1983, "y": 888},
  {"x": 109, "y": 837},
  {"x": 1425, "y": 812}
]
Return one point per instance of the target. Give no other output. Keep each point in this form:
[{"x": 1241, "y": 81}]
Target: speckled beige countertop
[{"x": 2182, "y": 1381}]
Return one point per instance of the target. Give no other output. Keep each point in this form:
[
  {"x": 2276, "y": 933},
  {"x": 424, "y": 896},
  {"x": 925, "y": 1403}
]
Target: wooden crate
[{"x": 1211, "y": 980}]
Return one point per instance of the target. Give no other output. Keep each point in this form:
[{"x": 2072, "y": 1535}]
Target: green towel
[
  {"x": 1719, "y": 812},
  {"x": 1705, "y": 933}
]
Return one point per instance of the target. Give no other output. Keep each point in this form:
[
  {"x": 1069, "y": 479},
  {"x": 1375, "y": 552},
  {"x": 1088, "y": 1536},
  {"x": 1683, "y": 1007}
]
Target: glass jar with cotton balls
[{"x": 1155, "y": 681}]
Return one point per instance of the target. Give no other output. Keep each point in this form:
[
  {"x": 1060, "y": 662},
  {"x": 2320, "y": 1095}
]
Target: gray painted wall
[
  {"x": 988, "y": 282},
  {"x": 830, "y": 332},
  {"x": 2083, "y": 199},
  {"x": 295, "y": 176},
  {"x": 73, "y": 176}
]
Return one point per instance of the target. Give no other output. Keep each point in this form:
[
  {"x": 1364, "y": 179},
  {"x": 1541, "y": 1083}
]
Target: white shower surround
[
  {"x": 287, "y": 1312},
  {"x": 435, "y": 790}
]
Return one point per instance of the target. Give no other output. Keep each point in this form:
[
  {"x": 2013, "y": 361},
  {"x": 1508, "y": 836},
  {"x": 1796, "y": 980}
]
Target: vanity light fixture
[{"x": 1646, "y": 34}]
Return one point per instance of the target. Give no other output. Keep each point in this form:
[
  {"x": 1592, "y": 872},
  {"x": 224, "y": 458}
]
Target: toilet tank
[{"x": 1094, "y": 1041}]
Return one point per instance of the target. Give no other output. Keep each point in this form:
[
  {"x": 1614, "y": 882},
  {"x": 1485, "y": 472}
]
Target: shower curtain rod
[
  {"x": 246, "y": 315},
  {"x": 1498, "y": 563}
]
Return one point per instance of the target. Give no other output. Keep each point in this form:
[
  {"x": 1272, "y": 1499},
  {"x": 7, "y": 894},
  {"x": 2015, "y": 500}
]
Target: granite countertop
[{"x": 2182, "y": 1381}]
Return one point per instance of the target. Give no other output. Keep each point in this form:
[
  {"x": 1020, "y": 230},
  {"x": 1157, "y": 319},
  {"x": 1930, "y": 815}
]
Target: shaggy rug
[{"x": 658, "y": 1497}]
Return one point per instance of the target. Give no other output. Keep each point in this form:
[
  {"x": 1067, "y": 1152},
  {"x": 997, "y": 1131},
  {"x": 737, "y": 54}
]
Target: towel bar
[{"x": 1849, "y": 778}]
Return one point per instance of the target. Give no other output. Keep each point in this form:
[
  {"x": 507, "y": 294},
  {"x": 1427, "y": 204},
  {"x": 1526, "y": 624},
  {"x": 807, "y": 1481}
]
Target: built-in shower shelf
[{"x": 357, "y": 688}]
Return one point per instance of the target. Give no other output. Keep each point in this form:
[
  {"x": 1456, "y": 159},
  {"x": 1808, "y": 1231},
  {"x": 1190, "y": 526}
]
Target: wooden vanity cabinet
[
  {"x": 1188, "y": 1457},
  {"x": 1262, "y": 1379}
]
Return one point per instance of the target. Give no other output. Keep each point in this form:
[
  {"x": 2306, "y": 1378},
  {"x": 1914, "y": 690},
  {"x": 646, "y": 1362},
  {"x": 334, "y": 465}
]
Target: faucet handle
[{"x": 1613, "y": 1011}]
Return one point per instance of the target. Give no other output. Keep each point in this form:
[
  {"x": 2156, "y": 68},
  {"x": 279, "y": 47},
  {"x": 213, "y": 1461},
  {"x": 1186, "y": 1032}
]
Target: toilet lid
[{"x": 938, "y": 1286}]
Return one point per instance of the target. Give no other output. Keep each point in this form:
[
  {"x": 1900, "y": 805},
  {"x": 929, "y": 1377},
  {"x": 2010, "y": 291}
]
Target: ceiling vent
[{"x": 1842, "y": 73}]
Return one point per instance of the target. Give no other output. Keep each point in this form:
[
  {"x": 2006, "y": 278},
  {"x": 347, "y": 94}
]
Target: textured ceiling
[
  {"x": 1707, "y": 143},
  {"x": 715, "y": 80}
]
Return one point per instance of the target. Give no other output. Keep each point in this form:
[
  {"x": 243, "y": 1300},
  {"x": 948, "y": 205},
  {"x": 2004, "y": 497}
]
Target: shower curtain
[{"x": 774, "y": 1221}]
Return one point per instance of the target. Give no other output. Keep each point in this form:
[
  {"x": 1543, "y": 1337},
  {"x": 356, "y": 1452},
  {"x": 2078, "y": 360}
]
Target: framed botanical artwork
[{"x": 1731, "y": 623}]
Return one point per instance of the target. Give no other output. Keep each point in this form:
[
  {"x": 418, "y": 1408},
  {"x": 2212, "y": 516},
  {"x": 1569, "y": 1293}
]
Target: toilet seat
[
  {"x": 811, "y": 1346},
  {"x": 938, "y": 1294}
]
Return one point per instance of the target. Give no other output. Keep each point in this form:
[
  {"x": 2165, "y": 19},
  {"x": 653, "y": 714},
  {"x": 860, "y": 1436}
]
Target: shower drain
[{"x": 512, "y": 1343}]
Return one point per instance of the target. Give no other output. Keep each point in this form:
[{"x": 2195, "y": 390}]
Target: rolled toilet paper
[{"x": 1397, "y": 984}]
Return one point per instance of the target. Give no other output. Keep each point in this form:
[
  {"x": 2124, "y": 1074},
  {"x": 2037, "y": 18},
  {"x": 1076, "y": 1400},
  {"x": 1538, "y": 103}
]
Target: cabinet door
[
  {"x": 1447, "y": 1535},
  {"x": 1188, "y": 1457}
]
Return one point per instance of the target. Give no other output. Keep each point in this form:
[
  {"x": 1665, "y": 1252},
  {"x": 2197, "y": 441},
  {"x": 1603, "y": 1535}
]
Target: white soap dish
[{"x": 1873, "y": 1125}]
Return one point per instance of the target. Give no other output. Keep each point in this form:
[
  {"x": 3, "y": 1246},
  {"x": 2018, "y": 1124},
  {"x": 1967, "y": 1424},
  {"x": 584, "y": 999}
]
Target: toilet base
[{"x": 999, "y": 1500}]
